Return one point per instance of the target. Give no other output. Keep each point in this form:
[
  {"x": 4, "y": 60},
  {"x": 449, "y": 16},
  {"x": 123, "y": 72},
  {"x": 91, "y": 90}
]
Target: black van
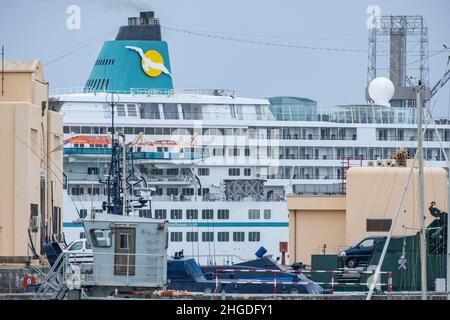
[{"x": 359, "y": 254}]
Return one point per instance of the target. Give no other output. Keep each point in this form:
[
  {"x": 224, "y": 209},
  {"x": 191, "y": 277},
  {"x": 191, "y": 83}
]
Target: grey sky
[{"x": 37, "y": 30}]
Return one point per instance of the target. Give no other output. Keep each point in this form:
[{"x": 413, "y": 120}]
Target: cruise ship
[{"x": 216, "y": 165}]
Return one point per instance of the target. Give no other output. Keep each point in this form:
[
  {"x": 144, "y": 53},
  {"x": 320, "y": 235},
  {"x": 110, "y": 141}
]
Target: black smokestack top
[{"x": 144, "y": 27}]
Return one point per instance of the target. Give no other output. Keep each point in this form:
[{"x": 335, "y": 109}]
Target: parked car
[
  {"x": 80, "y": 251},
  {"x": 359, "y": 254}
]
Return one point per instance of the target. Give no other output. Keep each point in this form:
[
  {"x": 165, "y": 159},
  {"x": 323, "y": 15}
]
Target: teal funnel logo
[{"x": 152, "y": 62}]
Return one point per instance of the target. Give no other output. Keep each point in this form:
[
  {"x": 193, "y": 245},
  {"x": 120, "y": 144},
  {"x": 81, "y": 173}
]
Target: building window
[
  {"x": 223, "y": 214},
  {"x": 254, "y": 236},
  {"x": 145, "y": 213},
  {"x": 83, "y": 213},
  {"x": 203, "y": 171},
  {"x": 223, "y": 236},
  {"x": 176, "y": 214},
  {"x": 234, "y": 172},
  {"x": 208, "y": 236},
  {"x": 160, "y": 214},
  {"x": 378, "y": 225},
  {"x": 208, "y": 214},
  {"x": 239, "y": 236},
  {"x": 267, "y": 213},
  {"x": 191, "y": 236},
  {"x": 247, "y": 172},
  {"x": 253, "y": 214},
  {"x": 191, "y": 214},
  {"x": 176, "y": 236}
]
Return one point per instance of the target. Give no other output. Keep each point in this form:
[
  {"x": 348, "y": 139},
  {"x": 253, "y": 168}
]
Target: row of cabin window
[
  {"x": 184, "y": 191},
  {"x": 207, "y": 214},
  {"x": 222, "y": 236},
  {"x": 150, "y": 131},
  {"x": 177, "y": 214}
]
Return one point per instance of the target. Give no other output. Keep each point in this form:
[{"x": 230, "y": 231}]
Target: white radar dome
[{"x": 381, "y": 91}]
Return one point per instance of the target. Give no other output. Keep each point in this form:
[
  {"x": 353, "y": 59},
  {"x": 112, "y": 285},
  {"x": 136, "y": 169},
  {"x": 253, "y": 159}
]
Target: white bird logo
[{"x": 151, "y": 67}]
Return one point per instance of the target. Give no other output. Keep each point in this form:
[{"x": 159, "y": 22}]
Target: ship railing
[
  {"x": 334, "y": 282},
  {"x": 144, "y": 91},
  {"x": 125, "y": 269}
]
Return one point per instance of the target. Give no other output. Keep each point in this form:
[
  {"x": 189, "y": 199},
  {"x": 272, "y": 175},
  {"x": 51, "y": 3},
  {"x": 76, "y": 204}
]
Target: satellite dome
[{"x": 381, "y": 91}]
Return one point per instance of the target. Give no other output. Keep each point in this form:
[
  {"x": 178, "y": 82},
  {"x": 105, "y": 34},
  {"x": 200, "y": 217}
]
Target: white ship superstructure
[{"x": 216, "y": 165}]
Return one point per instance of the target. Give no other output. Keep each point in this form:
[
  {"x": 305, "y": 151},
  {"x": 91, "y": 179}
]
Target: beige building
[
  {"x": 30, "y": 162},
  {"x": 319, "y": 224}
]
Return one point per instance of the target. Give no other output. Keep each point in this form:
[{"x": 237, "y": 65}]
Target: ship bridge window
[
  {"x": 131, "y": 108},
  {"x": 101, "y": 237},
  {"x": 170, "y": 111},
  {"x": 192, "y": 111},
  {"x": 149, "y": 111},
  {"x": 223, "y": 214},
  {"x": 254, "y": 236},
  {"x": 120, "y": 107}
]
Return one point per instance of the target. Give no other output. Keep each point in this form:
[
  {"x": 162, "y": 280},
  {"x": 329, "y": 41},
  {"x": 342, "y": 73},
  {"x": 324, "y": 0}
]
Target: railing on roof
[{"x": 145, "y": 91}]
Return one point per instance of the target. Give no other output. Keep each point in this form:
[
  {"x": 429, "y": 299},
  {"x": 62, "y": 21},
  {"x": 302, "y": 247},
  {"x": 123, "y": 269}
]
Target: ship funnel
[{"x": 381, "y": 91}]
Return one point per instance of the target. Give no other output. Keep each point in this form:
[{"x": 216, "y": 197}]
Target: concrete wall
[
  {"x": 374, "y": 193},
  {"x": 28, "y": 134},
  {"x": 315, "y": 221}
]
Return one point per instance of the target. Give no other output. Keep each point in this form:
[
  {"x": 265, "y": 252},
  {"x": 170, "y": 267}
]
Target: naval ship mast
[{"x": 116, "y": 181}]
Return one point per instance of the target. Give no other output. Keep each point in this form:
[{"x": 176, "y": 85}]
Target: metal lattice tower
[{"x": 398, "y": 50}]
